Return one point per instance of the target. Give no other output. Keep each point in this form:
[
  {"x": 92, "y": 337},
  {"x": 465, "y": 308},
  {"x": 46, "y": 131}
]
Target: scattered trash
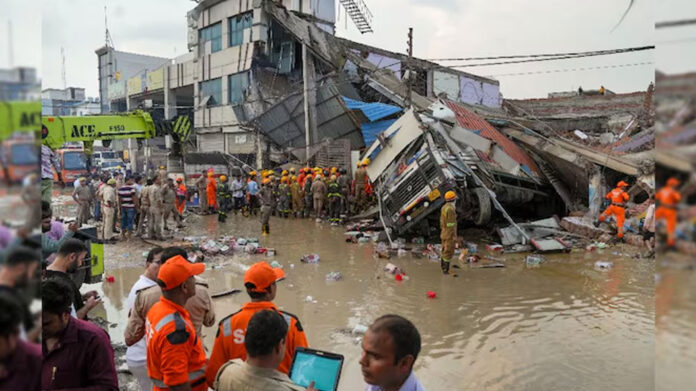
[
  {"x": 401, "y": 252},
  {"x": 270, "y": 252},
  {"x": 398, "y": 277},
  {"x": 603, "y": 265},
  {"x": 364, "y": 239},
  {"x": 494, "y": 247},
  {"x": 473, "y": 258},
  {"x": 596, "y": 245},
  {"x": 110, "y": 279},
  {"x": 472, "y": 247},
  {"x": 216, "y": 267},
  {"x": 242, "y": 242},
  {"x": 431, "y": 294},
  {"x": 393, "y": 269},
  {"x": 334, "y": 276},
  {"x": 418, "y": 240},
  {"x": 276, "y": 264},
  {"x": 308, "y": 299},
  {"x": 310, "y": 258},
  {"x": 490, "y": 266},
  {"x": 292, "y": 266},
  {"x": 359, "y": 329},
  {"x": 534, "y": 260}
]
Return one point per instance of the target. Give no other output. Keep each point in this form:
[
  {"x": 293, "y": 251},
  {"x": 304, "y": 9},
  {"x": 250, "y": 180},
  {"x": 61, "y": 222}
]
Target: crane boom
[{"x": 19, "y": 117}]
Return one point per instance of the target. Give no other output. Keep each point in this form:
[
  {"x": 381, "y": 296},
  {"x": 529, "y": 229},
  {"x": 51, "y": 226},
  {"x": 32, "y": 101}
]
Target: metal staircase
[{"x": 360, "y": 14}]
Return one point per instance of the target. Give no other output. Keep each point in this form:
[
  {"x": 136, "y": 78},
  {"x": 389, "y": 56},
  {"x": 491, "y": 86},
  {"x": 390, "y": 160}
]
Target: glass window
[
  {"x": 25, "y": 154},
  {"x": 212, "y": 88},
  {"x": 237, "y": 25},
  {"x": 238, "y": 86},
  {"x": 213, "y": 34},
  {"x": 74, "y": 160}
]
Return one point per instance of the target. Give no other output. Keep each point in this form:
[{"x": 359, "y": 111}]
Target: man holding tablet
[
  {"x": 260, "y": 282},
  {"x": 390, "y": 348},
  {"x": 265, "y": 346}
]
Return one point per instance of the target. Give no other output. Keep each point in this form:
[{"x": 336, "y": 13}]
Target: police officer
[
  {"x": 155, "y": 219},
  {"x": 296, "y": 192},
  {"x": 267, "y": 205},
  {"x": 83, "y": 197},
  {"x": 448, "y": 230},
  {"x": 344, "y": 183},
  {"x": 201, "y": 184},
  {"x": 175, "y": 356},
  {"x": 145, "y": 207},
  {"x": 169, "y": 203}
]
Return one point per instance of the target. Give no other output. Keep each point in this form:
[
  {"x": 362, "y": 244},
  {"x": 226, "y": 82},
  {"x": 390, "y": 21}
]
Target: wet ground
[{"x": 562, "y": 325}]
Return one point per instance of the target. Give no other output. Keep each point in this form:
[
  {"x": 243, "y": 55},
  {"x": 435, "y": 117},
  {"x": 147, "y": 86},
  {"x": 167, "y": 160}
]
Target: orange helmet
[
  {"x": 294, "y": 178},
  {"x": 223, "y": 178},
  {"x": 450, "y": 195},
  {"x": 179, "y": 180},
  {"x": 334, "y": 170},
  {"x": 252, "y": 173},
  {"x": 210, "y": 174},
  {"x": 673, "y": 182},
  {"x": 621, "y": 184},
  {"x": 266, "y": 181}
]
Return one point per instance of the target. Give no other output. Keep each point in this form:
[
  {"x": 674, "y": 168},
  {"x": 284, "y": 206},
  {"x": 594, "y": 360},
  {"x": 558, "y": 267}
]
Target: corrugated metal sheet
[
  {"x": 370, "y": 130},
  {"x": 373, "y": 111},
  {"x": 284, "y": 122},
  {"x": 472, "y": 121}
]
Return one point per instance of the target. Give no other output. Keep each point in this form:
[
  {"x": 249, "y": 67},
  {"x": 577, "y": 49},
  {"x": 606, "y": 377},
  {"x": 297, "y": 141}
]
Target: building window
[
  {"x": 237, "y": 26},
  {"x": 238, "y": 86},
  {"x": 213, "y": 89},
  {"x": 213, "y": 34}
]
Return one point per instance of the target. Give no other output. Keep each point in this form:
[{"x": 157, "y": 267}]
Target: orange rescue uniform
[
  {"x": 174, "y": 352},
  {"x": 180, "y": 203},
  {"x": 211, "y": 190},
  {"x": 667, "y": 199},
  {"x": 617, "y": 208},
  {"x": 229, "y": 341}
]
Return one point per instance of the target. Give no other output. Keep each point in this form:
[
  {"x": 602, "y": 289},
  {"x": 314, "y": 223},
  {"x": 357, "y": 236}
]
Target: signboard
[
  {"x": 135, "y": 85},
  {"x": 155, "y": 79}
]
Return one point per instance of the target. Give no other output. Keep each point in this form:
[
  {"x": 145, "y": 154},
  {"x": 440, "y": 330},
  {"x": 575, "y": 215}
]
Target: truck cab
[
  {"x": 19, "y": 157},
  {"x": 73, "y": 164}
]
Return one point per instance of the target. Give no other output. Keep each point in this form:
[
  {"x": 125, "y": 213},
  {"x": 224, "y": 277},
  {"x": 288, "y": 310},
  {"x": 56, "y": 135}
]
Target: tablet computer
[{"x": 322, "y": 368}]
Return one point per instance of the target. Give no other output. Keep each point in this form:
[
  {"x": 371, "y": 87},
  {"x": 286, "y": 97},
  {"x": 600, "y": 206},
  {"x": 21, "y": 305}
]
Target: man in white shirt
[
  {"x": 136, "y": 355},
  {"x": 390, "y": 348}
]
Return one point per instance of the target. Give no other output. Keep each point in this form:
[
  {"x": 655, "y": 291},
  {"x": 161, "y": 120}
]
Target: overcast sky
[{"x": 442, "y": 28}]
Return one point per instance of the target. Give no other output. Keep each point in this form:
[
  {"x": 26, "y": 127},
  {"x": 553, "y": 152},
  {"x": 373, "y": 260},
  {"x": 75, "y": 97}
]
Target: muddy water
[
  {"x": 675, "y": 317},
  {"x": 562, "y": 325}
]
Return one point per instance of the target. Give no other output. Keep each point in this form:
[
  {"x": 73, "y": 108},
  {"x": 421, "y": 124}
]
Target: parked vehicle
[
  {"x": 73, "y": 163},
  {"x": 18, "y": 158},
  {"x": 110, "y": 165},
  {"x": 99, "y": 156}
]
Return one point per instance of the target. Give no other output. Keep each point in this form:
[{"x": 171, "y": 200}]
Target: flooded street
[
  {"x": 675, "y": 336},
  {"x": 562, "y": 325}
]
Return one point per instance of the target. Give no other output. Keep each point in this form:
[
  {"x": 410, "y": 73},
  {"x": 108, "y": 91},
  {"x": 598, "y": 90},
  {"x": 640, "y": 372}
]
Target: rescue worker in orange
[
  {"x": 175, "y": 356},
  {"x": 618, "y": 198},
  {"x": 260, "y": 282},
  {"x": 211, "y": 191},
  {"x": 180, "y": 196},
  {"x": 448, "y": 230},
  {"x": 668, "y": 198}
]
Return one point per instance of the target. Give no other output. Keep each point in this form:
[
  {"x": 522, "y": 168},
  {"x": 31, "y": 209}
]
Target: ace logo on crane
[{"x": 84, "y": 131}]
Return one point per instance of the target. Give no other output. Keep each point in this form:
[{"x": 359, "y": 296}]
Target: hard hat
[
  {"x": 307, "y": 169},
  {"x": 179, "y": 180},
  {"x": 83, "y": 179},
  {"x": 622, "y": 184},
  {"x": 266, "y": 181},
  {"x": 118, "y": 167},
  {"x": 317, "y": 169},
  {"x": 366, "y": 162},
  {"x": 285, "y": 172},
  {"x": 223, "y": 178},
  {"x": 292, "y": 169},
  {"x": 210, "y": 175},
  {"x": 334, "y": 169},
  {"x": 252, "y": 173},
  {"x": 673, "y": 182},
  {"x": 294, "y": 178},
  {"x": 450, "y": 195},
  {"x": 161, "y": 167},
  {"x": 333, "y": 177}
]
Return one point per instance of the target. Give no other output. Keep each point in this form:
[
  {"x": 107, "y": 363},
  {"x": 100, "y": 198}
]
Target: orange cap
[
  {"x": 622, "y": 184},
  {"x": 179, "y": 180},
  {"x": 673, "y": 182},
  {"x": 262, "y": 275},
  {"x": 177, "y": 270}
]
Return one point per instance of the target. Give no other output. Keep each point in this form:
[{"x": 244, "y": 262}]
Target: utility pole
[
  {"x": 62, "y": 71},
  {"x": 408, "y": 67},
  {"x": 310, "y": 99}
]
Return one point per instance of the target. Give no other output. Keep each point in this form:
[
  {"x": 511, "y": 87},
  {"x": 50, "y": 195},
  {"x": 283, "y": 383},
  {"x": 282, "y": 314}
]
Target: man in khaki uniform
[
  {"x": 169, "y": 203},
  {"x": 265, "y": 346},
  {"x": 155, "y": 221},
  {"x": 359, "y": 186},
  {"x": 144, "y": 207},
  {"x": 319, "y": 191},
  {"x": 448, "y": 230},
  {"x": 83, "y": 197},
  {"x": 162, "y": 174},
  {"x": 199, "y": 307},
  {"x": 109, "y": 204},
  {"x": 201, "y": 185}
]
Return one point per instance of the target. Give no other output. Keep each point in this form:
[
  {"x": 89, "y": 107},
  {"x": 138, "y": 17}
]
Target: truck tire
[{"x": 482, "y": 215}]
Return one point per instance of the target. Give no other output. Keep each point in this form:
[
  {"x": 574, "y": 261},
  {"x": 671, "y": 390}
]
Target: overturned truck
[{"x": 417, "y": 160}]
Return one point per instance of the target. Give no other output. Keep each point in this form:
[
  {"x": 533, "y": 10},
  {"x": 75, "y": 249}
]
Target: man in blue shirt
[
  {"x": 253, "y": 191},
  {"x": 390, "y": 348}
]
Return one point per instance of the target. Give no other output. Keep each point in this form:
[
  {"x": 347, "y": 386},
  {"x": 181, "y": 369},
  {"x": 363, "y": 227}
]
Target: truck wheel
[{"x": 482, "y": 214}]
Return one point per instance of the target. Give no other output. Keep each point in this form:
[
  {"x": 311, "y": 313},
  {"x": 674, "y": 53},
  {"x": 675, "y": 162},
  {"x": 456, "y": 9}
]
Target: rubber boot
[
  {"x": 445, "y": 266},
  {"x": 268, "y": 229}
]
